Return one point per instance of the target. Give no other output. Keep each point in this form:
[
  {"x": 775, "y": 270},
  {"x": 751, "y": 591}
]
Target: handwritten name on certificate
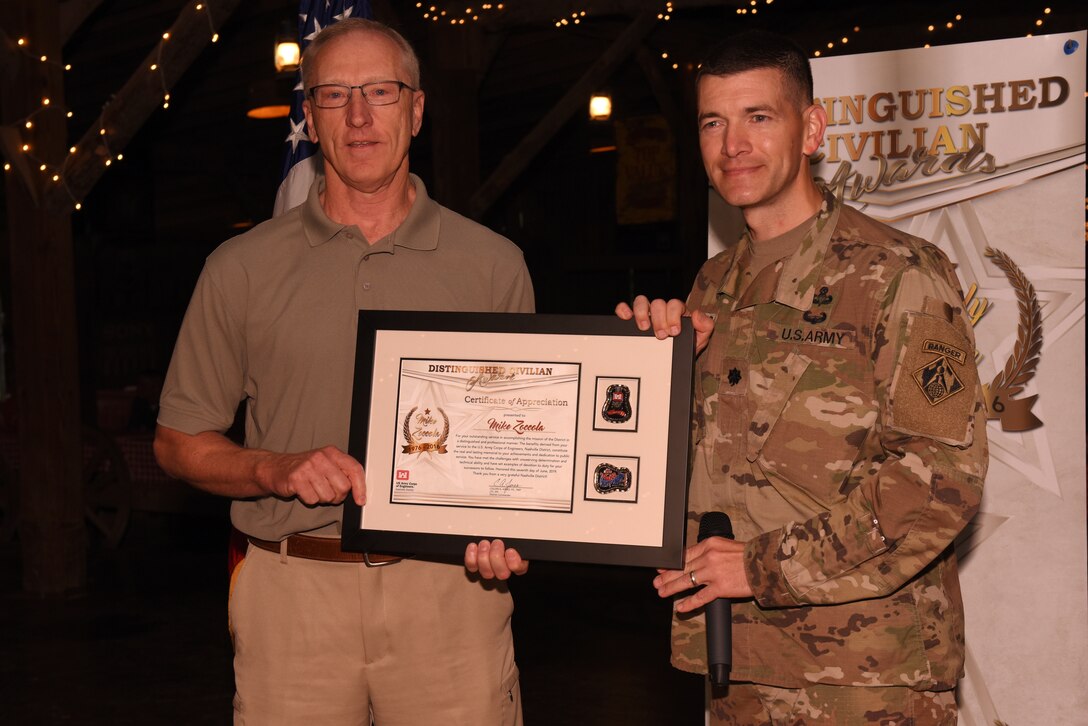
[{"x": 494, "y": 434}]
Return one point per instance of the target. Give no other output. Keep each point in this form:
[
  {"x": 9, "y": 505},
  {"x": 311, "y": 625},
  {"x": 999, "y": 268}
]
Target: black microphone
[{"x": 719, "y": 619}]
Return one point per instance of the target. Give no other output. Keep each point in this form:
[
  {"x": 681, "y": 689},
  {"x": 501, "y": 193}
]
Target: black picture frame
[{"x": 644, "y": 533}]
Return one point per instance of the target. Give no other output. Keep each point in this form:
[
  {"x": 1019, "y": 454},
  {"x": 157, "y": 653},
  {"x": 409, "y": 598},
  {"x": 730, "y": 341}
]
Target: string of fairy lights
[
  {"x": 1039, "y": 21},
  {"x": 931, "y": 28},
  {"x": 430, "y": 10},
  {"x": 25, "y": 126},
  {"x": 471, "y": 14}
]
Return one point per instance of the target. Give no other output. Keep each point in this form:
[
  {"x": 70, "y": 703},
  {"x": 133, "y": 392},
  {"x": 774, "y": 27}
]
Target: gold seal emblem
[{"x": 421, "y": 431}]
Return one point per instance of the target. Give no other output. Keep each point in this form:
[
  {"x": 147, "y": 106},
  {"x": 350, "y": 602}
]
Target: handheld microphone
[{"x": 719, "y": 618}]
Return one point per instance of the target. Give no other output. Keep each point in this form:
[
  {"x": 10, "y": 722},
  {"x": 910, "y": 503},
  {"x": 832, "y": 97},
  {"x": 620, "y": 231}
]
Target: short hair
[
  {"x": 758, "y": 49},
  {"x": 409, "y": 60}
]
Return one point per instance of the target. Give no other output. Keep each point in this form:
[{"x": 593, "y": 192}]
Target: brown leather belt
[{"x": 326, "y": 549}]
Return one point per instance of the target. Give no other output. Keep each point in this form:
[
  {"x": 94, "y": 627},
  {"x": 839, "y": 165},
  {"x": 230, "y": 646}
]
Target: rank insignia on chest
[
  {"x": 938, "y": 380},
  {"x": 617, "y": 404},
  {"x": 734, "y": 376}
]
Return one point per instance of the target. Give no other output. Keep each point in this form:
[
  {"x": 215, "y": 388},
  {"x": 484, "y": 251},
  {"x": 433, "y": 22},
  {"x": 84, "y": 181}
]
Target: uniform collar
[
  {"x": 418, "y": 231},
  {"x": 794, "y": 281}
]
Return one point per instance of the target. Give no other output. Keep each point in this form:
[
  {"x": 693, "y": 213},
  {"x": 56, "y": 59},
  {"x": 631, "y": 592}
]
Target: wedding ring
[{"x": 691, "y": 576}]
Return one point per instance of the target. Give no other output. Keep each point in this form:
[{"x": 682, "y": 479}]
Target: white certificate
[{"x": 486, "y": 433}]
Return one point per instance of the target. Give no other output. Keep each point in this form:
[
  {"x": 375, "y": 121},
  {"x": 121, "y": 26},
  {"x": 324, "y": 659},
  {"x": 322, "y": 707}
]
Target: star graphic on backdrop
[
  {"x": 297, "y": 135},
  {"x": 345, "y": 14},
  {"x": 959, "y": 232}
]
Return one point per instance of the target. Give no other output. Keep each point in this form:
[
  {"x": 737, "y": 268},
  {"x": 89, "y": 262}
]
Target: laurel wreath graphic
[
  {"x": 1021, "y": 365},
  {"x": 407, "y": 431}
]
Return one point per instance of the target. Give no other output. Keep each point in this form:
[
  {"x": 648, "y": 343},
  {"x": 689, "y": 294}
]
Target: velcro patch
[{"x": 935, "y": 382}]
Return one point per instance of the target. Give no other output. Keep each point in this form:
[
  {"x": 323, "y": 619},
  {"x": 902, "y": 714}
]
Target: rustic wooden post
[
  {"x": 52, "y": 537},
  {"x": 51, "y": 529}
]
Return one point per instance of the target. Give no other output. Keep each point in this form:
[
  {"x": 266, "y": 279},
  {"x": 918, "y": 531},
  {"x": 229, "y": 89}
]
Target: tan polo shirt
[{"x": 273, "y": 322}]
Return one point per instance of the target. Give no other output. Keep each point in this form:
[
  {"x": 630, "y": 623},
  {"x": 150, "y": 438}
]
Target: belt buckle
[{"x": 366, "y": 560}]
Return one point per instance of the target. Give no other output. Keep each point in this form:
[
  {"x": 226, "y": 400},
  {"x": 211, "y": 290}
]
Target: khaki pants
[
  {"x": 749, "y": 704},
  {"x": 332, "y": 643}
]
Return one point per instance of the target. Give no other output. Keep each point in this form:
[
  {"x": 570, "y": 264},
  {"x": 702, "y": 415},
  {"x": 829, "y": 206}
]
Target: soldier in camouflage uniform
[{"x": 838, "y": 422}]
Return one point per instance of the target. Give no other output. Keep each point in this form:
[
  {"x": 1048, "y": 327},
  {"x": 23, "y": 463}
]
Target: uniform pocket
[{"x": 814, "y": 439}]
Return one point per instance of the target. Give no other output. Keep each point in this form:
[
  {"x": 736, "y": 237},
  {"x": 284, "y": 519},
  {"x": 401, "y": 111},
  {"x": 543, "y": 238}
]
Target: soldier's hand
[
  {"x": 715, "y": 565},
  {"x": 320, "y": 476},
  {"x": 493, "y": 560},
  {"x": 663, "y": 316}
]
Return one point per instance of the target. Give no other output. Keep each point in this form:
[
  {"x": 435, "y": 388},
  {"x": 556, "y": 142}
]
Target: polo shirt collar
[{"x": 418, "y": 231}]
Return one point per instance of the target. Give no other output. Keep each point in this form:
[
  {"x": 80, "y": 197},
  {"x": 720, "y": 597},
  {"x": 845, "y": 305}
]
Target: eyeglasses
[{"x": 379, "y": 93}]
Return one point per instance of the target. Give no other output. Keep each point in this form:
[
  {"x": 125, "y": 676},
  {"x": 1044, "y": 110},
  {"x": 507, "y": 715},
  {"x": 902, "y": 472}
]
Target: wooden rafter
[
  {"x": 141, "y": 96},
  {"x": 651, "y": 68},
  {"x": 574, "y": 99},
  {"x": 72, "y": 15}
]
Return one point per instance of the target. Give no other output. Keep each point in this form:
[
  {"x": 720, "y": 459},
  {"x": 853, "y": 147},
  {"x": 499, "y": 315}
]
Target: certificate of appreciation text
[{"x": 486, "y": 434}]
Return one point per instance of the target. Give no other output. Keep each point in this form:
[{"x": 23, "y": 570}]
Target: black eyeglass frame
[{"x": 401, "y": 85}]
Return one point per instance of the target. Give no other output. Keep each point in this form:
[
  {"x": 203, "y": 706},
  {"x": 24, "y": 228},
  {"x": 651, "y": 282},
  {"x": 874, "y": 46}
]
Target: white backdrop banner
[{"x": 980, "y": 148}]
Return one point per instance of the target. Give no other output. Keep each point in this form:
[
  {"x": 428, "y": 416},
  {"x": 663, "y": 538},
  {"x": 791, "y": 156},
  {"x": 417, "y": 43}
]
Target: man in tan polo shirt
[{"x": 320, "y": 636}]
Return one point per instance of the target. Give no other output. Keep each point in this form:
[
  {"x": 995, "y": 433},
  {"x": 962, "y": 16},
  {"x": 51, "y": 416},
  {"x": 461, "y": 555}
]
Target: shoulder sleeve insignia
[
  {"x": 938, "y": 380},
  {"x": 934, "y": 386}
]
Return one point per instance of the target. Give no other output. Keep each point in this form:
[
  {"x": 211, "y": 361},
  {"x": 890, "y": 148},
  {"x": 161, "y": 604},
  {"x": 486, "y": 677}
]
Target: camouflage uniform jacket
[{"x": 839, "y": 423}]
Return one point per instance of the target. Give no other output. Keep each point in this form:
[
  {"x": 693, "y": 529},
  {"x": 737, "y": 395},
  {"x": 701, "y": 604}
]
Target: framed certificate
[{"x": 565, "y": 436}]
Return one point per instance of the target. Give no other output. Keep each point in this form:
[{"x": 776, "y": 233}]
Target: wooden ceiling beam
[
  {"x": 670, "y": 109},
  {"x": 141, "y": 96},
  {"x": 575, "y": 98},
  {"x": 72, "y": 15}
]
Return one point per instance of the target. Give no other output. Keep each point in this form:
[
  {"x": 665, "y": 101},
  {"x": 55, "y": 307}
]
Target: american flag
[{"x": 302, "y": 162}]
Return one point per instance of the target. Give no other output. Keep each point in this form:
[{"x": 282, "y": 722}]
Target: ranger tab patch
[{"x": 942, "y": 348}]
